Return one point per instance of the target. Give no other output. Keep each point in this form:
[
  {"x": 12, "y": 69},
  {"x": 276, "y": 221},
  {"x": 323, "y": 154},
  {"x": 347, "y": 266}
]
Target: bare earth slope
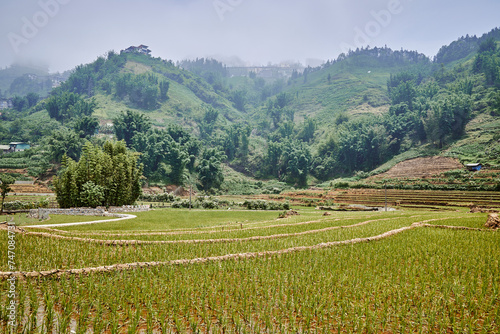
[{"x": 421, "y": 167}]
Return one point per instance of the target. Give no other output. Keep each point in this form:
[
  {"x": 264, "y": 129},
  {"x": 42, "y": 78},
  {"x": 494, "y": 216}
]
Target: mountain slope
[
  {"x": 366, "y": 109},
  {"x": 187, "y": 98},
  {"x": 21, "y": 80}
]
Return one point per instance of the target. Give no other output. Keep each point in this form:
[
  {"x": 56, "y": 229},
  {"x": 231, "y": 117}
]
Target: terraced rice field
[
  {"x": 420, "y": 197},
  {"x": 402, "y": 198},
  {"x": 248, "y": 272}
]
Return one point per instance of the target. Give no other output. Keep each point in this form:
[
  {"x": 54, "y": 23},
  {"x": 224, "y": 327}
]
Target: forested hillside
[{"x": 346, "y": 117}]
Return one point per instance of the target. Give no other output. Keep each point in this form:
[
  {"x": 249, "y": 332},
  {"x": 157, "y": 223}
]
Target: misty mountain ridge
[{"x": 310, "y": 124}]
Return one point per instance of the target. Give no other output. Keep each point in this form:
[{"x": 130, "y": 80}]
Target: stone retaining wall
[
  {"x": 43, "y": 213},
  {"x": 128, "y": 208}
]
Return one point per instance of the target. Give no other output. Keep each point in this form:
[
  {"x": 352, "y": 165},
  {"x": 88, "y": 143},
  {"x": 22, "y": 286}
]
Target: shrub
[
  {"x": 163, "y": 197},
  {"x": 21, "y": 205},
  {"x": 184, "y": 204},
  {"x": 265, "y": 205},
  {"x": 92, "y": 195},
  {"x": 341, "y": 185}
]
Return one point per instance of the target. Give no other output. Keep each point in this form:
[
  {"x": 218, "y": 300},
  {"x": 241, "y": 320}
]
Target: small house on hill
[
  {"x": 5, "y": 104},
  {"x": 4, "y": 149},
  {"x": 18, "y": 146},
  {"x": 474, "y": 167},
  {"x": 144, "y": 49}
]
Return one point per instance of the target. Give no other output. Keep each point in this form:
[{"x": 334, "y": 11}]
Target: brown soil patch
[
  {"x": 289, "y": 214},
  {"x": 39, "y": 187},
  {"x": 421, "y": 168},
  {"x": 30, "y": 189},
  {"x": 13, "y": 171},
  {"x": 476, "y": 209},
  {"x": 493, "y": 221},
  {"x": 178, "y": 191}
]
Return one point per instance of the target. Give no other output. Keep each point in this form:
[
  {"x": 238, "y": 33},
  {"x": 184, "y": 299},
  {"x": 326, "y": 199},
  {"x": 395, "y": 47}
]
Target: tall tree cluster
[
  {"x": 143, "y": 90},
  {"x": 66, "y": 106},
  {"x": 107, "y": 176},
  {"x": 172, "y": 154}
]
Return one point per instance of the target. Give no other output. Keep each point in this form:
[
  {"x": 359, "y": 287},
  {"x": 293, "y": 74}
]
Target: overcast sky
[{"x": 65, "y": 33}]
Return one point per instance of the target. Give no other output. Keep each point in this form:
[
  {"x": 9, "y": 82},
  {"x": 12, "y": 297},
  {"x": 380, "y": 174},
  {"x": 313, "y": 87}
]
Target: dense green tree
[
  {"x": 245, "y": 142},
  {"x": 275, "y": 114},
  {"x": 164, "y": 86},
  {"x": 272, "y": 159},
  {"x": 448, "y": 118},
  {"x": 32, "y": 99},
  {"x": 487, "y": 61},
  {"x": 210, "y": 174},
  {"x": 296, "y": 159},
  {"x": 143, "y": 90},
  {"x": 207, "y": 123},
  {"x": 4, "y": 133},
  {"x": 85, "y": 79},
  {"x": 92, "y": 195},
  {"x": 19, "y": 103},
  {"x": 405, "y": 93},
  {"x": 166, "y": 159},
  {"x": 488, "y": 46},
  {"x": 86, "y": 126},
  {"x": 277, "y": 109},
  {"x": 235, "y": 142},
  {"x": 213, "y": 71},
  {"x": 128, "y": 124},
  {"x": 63, "y": 142},
  {"x": 325, "y": 164},
  {"x": 494, "y": 102},
  {"x": 432, "y": 129},
  {"x": 178, "y": 159},
  {"x": 108, "y": 176},
  {"x": 286, "y": 129},
  {"x": 308, "y": 129},
  {"x": 288, "y": 160},
  {"x": 239, "y": 98},
  {"x": 282, "y": 100},
  {"x": 66, "y": 106},
  {"x": 5, "y": 182}
]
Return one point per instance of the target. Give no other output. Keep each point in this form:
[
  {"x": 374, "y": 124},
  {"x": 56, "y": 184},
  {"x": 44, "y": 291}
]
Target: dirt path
[
  {"x": 421, "y": 167},
  {"x": 120, "y": 217}
]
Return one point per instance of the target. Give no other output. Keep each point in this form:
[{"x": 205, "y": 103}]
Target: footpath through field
[{"x": 119, "y": 217}]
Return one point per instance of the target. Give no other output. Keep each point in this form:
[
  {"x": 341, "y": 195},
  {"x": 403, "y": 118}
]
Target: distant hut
[
  {"x": 144, "y": 49},
  {"x": 18, "y": 146},
  {"x": 4, "y": 149},
  {"x": 474, "y": 167}
]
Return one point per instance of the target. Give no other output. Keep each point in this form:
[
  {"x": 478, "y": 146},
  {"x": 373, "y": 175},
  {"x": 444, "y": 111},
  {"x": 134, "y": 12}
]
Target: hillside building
[
  {"x": 143, "y": 49},
  {"x": 474, "y": 167},
  {"x": 4, "y": 149},
  {"x": 18, "y": 146},
  {"x": 5, "y": 104}
]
